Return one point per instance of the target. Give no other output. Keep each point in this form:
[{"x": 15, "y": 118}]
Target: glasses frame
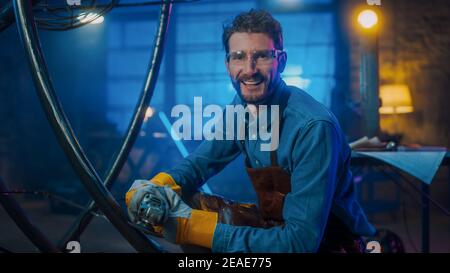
[{"x": 274, "y": 54}]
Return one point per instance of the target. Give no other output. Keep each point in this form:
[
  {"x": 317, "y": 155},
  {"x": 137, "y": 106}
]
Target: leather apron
[{"x": 271, "y": 185}]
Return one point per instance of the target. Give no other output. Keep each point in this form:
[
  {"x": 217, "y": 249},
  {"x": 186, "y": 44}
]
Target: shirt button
[{"x": 257, "y": 162}]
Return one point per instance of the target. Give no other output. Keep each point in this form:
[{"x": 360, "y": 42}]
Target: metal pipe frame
[
  {"x": 84, "y": 218},
  {"x": 64, "y": 133},
  {"x": 24, "y": 223},
  {"x": 7, "y": 14}
]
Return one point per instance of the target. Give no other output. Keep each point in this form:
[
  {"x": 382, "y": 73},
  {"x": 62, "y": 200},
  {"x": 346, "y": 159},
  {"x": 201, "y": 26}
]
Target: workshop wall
[{"x": 413, "y": 43}]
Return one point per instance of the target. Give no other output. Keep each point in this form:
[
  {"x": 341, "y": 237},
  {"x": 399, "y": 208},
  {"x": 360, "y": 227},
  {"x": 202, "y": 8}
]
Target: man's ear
[{"x": 282, "y": 59}]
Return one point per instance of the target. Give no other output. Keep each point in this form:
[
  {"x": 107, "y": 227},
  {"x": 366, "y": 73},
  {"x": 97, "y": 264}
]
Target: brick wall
[{"x": 414, "y": 47}]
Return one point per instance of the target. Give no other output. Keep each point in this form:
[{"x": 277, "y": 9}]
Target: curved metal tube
[
  {"x": 7, "y": 14},
  {"x": 85, "y": 217},
  {"x": 23, "y": 222},
  {"x": 64, "y": 133}
]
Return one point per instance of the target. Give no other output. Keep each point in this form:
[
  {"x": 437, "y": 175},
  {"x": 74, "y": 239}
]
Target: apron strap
[{"x": 274, "y": 158}]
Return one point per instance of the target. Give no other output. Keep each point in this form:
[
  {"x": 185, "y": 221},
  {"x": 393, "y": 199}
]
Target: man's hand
[
  {"x": 140, "y": 188},
  {"x": 147, "y": 203},
  {"x": 185, "y": 225},
  {"x": 181, "y": 224}
]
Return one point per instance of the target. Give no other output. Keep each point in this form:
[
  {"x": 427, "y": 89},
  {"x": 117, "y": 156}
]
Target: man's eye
[
  {"x": 262, "y": 55},
  {"x": 238, "y": 56}
]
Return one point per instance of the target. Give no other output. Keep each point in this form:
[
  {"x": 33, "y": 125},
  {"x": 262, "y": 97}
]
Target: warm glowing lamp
[
  {"x": 367, "y": 18},
  {"x": 395, "y": 99}
]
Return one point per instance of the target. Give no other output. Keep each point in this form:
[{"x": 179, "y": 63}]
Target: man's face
[{"x": 253, "y": 74}]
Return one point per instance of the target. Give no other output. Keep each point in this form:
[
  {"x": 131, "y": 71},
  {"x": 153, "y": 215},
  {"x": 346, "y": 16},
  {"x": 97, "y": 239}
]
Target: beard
[{"x": 253, "y": 89}]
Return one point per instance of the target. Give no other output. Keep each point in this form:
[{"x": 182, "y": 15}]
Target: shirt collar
[{"x": 274, "y": 99}]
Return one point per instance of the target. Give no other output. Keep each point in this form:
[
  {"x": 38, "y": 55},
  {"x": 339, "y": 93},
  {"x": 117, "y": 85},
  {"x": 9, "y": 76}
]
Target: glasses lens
[
  {"x": 260, "y": 57},
  {"x": 237, "y": 56},
  {"x": 264, "y": 56}
]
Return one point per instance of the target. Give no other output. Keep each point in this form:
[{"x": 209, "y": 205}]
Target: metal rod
[
  {"x": 369, "y": 82},
  {"x": 424, "y": 194},
  {"x": 24, "y": 223},
  {"x": 425, "y": 218},
  {"x": 7, "y": 14},
  {"x": 83, "y": 220},
  {"x": 64, "y": 133}
]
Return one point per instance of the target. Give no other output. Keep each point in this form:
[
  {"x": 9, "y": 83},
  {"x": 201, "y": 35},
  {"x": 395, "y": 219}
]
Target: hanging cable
[{"x": 61, "y": 18}]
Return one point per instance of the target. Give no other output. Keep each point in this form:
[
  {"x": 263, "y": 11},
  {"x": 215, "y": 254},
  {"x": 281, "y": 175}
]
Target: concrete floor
[
  {"x": 102, "y": 237},
  {"x": 99, "y": 237}
]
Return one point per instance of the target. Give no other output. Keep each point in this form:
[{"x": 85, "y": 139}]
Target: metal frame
[
  {"x": 65, "y": 135},
  {"x": 24, "y": 223}
]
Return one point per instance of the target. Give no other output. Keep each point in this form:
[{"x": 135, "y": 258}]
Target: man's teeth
[{"x": 251, "y": 82}]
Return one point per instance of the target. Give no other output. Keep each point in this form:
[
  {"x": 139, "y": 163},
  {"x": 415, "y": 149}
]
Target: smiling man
[
  {"x": 253, "y": 65},
  {"x": 306, "y": 198}
]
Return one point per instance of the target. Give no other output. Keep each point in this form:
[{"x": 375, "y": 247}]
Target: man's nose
[{"x": 249, "y": 66}]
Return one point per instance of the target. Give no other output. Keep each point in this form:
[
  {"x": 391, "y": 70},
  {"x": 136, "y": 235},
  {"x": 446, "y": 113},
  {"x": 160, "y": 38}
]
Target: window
[{"x": 194, "y": 65}]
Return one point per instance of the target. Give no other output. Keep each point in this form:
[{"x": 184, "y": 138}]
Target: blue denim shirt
[{"x": 313, "y": 150}]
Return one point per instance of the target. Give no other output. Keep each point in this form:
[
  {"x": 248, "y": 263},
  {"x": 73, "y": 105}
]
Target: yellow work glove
[
  {"x": 161, "y": 179},
  {"x": 185, "y": 225},
  {"x": 181, "y": 224},
  {"x": 139, "y": 190}
]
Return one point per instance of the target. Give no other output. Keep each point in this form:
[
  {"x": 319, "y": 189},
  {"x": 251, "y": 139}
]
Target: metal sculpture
[{"x": 97, "y": 188}]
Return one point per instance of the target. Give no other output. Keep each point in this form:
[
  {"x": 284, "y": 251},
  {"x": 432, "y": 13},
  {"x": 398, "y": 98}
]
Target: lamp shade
[{"x": 395, "y": 99}]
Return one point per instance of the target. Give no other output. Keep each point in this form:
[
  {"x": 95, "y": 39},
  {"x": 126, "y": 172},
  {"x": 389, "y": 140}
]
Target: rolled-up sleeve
[{"x": 315, "y": 157}]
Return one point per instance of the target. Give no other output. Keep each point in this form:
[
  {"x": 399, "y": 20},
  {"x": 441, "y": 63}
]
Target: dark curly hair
[{"x": 254, "y": 21}]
